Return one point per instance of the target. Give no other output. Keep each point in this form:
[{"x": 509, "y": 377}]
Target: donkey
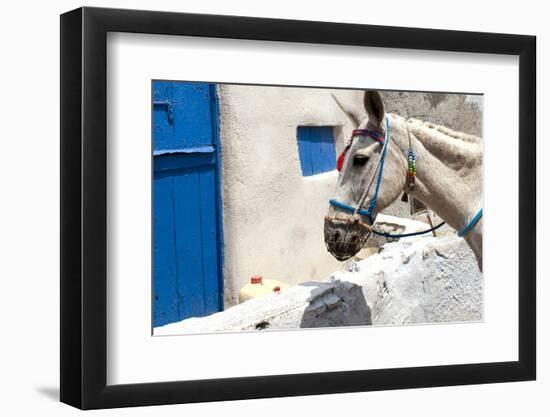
[{"x": 444, "y": 173}]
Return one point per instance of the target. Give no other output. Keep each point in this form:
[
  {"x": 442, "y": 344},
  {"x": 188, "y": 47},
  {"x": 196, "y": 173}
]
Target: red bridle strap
[{"x": 372, "y": 133}]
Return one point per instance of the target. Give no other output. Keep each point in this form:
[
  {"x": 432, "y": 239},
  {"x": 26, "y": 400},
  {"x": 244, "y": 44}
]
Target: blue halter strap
[
  {"x": 471, "y": 223},
  {"x": 372, "y": 204},
  {"x": 347, "y": 208}
]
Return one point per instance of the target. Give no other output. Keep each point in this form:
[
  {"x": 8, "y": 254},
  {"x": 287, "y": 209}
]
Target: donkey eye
[{"x": 360, "y": 160}]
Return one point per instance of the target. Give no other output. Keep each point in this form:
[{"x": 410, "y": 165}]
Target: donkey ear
[{"x": 374, "y": 107}]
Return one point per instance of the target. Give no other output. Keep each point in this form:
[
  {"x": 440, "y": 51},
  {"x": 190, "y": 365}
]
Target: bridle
[{"x": 384, "y": 139}]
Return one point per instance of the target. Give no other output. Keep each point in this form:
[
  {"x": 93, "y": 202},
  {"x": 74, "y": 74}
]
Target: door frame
[{"x": 216, "y": 139}]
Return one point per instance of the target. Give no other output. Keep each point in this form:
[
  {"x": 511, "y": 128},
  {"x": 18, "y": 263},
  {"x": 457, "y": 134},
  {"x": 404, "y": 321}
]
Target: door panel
[
  {"x": 184, "y": 114},
  {"x": 188, "y": 236},
  {"x": 165, "y": 282}
]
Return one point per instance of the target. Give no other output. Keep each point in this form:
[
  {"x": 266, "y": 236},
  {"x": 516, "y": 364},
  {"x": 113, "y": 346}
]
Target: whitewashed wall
[{"x": 272, "y": 216}]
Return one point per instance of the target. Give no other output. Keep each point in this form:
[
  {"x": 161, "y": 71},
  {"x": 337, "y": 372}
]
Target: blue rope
[
  {"x": 364, "y": 212},
  {"x": 471, "y": 223}
]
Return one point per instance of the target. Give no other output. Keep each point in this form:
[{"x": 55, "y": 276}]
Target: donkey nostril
[
  {"x": 353, "y": 239},
  {"x": 336, "y": 236}
]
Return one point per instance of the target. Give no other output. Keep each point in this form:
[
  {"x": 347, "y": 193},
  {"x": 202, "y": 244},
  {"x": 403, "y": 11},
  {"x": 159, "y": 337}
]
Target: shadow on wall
[{"x": 342, "y": 304}]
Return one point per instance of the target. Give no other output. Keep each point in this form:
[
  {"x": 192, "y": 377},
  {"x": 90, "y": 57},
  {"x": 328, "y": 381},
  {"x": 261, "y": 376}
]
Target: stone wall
[
  {"x": 421, "y": 280},
  {"x": 459, "y": 112},
  {"x": 411, "y": 281}
]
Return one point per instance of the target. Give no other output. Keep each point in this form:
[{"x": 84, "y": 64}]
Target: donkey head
[{"x": 360, "y": 165}]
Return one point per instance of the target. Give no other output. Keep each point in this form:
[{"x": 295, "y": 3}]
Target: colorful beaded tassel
[{"x": 411, "y": 174}]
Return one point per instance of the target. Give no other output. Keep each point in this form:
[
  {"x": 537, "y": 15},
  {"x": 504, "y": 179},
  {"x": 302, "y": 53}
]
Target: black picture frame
[{"x": 84, "y": 207}]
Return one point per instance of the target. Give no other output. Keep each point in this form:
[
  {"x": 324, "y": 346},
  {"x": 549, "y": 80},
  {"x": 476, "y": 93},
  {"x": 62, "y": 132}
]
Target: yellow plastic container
[{"x": 260, "y": 287}]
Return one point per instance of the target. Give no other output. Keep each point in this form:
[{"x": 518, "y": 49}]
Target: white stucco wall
[{"x": 272, "y": 216}]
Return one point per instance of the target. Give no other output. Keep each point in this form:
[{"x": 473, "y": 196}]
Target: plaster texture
[
  {"x": 272, "y": 215},
  {"x": 421, "y": 280},
  {"x": 310, "y": 304}
]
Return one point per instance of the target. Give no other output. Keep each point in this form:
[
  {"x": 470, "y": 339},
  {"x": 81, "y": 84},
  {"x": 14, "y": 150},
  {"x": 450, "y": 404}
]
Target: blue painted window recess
[
  {"x": 187, "y": 227},
  {"x": 316, "y": 149}
]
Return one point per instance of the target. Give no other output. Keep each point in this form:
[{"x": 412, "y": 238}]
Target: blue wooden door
[{"x": 187, "y": 228}]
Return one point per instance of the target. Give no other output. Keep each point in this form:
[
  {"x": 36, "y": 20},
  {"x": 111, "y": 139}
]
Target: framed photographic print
[{"x": 257, "y": 208}]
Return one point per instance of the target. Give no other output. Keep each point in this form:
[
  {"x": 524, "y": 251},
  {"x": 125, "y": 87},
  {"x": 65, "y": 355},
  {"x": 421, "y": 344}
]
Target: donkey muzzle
[{"x": 344, "y": 237}]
